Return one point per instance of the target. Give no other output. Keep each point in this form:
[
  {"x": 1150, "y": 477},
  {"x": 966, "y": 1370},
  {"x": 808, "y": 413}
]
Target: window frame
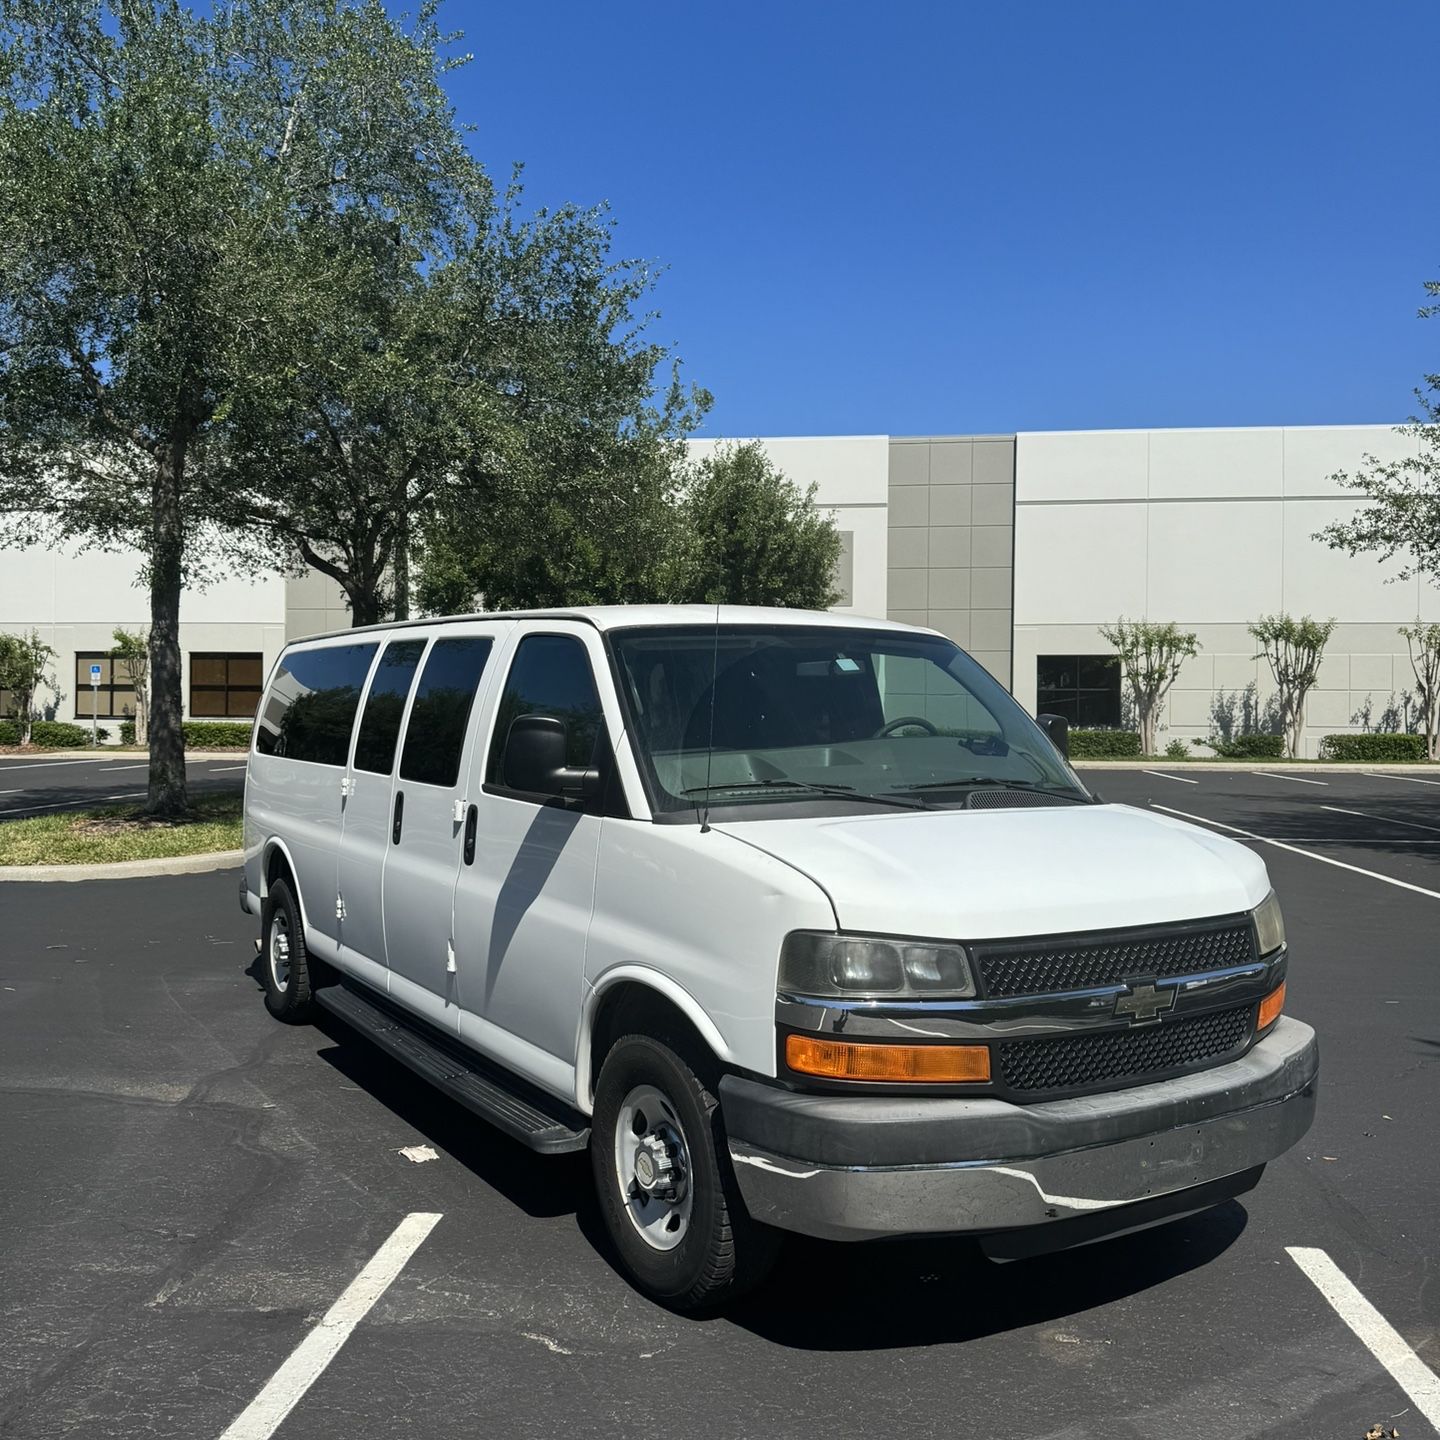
[
  {"x": 477, "y": 699},
  {"x": 1077, "y": 693},
  {"x": 227, "y": 656},
  {"x": 88, "y": 657},
  {"x": 606, "y": 799}
]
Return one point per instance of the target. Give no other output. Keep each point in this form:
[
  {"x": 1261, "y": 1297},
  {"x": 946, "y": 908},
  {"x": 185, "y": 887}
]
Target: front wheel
[
  {"x": 666, "y": 1189},
  {"x": 283, "y": 956}
]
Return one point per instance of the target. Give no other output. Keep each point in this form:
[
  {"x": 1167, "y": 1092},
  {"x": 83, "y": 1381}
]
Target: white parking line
[
  {"x": 1383, "y": 819},
  {"x": 144, "y": 765},
  {"x": 1297, "y": 779},
  {"x": 46, "y": 764},
  {"x": 216, "y": 769},
  {"x": 307, "y": 1361},
  {"x": 1296, "y": 850},
  {"x": 78, "y": 804},
  {"x": 1373, "y": 1330},
  {"x": 1161, "y": 775},
  {"x": 1408, "y": 779}
]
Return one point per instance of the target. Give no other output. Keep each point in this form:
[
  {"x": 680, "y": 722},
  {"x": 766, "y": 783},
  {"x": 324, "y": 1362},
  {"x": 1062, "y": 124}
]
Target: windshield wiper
[
  {"x": 844, "y": 792},
  {"x": 984, "y": 782}
]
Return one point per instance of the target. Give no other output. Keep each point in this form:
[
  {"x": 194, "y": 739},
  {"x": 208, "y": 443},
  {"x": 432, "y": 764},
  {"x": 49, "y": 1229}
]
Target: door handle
[
  {"x": 399, "y": 816},
  {"x": 471, "y": 816}
]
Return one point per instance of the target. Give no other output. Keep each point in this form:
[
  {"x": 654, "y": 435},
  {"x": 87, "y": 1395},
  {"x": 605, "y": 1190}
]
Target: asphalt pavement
[
  {"x": 43, "y": 786},
  {"x": 187, "y": 1186}
]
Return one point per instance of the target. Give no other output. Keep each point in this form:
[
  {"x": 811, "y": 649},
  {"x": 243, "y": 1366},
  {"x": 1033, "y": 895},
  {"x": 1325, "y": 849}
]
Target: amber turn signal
[
  {"x": 936, "y": 1064},
  {"x": 1271, "y": 1006}
]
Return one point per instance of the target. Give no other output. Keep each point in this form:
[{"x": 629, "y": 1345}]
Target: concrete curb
[
  {"x": 1302, "y": 767},
  {"x": 128, "y": 869}
]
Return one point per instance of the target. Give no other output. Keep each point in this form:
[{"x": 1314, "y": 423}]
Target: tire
[
  {"x": 686, "y": 1241},
  {"x": 286, "y": 967}
]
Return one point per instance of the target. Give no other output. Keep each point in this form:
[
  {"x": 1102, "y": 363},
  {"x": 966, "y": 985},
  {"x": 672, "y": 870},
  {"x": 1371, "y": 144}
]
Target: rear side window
[
  {"x": 310, "y": 706},
  {"x": 551, "y": 676},
  {"x": 385, "y": 706},
  {"x": 435, "y": 735}
]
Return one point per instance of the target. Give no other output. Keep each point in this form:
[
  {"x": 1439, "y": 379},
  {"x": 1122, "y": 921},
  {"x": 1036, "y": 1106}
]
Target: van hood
[{"x": 987, "y": 874}]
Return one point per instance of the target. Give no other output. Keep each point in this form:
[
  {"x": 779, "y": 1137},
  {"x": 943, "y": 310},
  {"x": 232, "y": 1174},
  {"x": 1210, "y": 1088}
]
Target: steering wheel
[{"x": 901, "y": 722}]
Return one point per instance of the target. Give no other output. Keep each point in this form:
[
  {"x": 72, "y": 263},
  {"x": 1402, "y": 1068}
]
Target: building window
[
  {"x": 225, "y": 687},
  {"x": 113, "y": 698},
  {"x": 1085, "y": 689}
]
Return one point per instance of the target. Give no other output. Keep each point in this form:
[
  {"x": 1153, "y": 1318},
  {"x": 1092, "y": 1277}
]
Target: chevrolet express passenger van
[{"x": 795, "y": 921}]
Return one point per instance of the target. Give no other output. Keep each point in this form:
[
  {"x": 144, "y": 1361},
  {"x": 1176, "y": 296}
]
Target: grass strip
[{"x": 121, "y": 832}]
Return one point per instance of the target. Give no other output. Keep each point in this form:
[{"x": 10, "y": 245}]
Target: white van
[{"x": 795, "y": 920}]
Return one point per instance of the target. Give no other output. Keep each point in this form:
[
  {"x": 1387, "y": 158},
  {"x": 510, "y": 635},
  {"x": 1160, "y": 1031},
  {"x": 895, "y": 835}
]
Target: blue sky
[{"x": 912, "y": 218}]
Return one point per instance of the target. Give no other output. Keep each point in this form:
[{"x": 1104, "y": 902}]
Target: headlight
[
  {"x": 1269, "y": 924},
  {"x": 859, "y": 966}
]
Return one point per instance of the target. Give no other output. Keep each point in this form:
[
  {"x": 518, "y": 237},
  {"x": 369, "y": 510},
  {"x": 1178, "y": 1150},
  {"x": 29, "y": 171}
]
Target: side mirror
[
  {"x": 1057, "y": 729},
  {"x": 535, "y": 760}
]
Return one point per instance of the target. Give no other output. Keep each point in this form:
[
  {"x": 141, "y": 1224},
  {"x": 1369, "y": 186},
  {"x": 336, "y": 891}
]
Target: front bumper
[{"x": 858, "y": 1167}]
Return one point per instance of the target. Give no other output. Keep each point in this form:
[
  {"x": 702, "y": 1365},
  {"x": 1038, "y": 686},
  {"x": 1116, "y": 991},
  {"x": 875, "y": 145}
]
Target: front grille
[
  {"x": 1051, "y": 967},
  {"x": 1082, "y": 1062}
]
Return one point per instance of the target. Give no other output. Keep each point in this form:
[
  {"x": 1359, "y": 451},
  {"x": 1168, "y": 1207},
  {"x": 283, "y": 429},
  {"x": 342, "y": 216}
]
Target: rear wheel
[
  {"x": 283, "y": 956},
  {"x": 666, "y": 1188}
]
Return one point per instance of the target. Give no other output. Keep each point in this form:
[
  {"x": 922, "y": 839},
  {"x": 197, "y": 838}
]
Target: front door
[
  {"x": 365, "y": 841},
  {"x": 427, "y": 813},
  {"x": 523, "y": 904}
]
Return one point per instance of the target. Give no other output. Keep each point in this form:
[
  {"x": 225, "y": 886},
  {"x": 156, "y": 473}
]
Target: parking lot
[
  {"x": 186, "y": 1187},
  {"x": 44, "y": 786}
]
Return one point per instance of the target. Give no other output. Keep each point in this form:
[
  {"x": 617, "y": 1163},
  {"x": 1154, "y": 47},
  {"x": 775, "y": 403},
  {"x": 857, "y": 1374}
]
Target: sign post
[{"x": 94, "y": 703}]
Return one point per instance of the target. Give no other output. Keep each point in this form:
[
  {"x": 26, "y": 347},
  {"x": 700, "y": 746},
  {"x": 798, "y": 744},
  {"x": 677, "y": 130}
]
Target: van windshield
[{"x": 784, "y": 714}]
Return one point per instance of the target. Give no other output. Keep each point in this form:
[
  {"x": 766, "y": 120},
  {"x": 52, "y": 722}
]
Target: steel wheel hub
[
  {"x": 652, "y": 1166},
  {"x": 280, "y": 950}
]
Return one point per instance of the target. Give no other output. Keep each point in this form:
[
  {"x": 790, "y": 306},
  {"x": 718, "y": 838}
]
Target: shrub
[
  {"x": 1248, "y": 747},
  {"x": 1177, "y": 750},
  {"x": 51, "y": 734},
  {"x": 1385, "y": 748},
  {"x": 1104, "y": 745},
  {"x": 217, "y": 734},
  {"x": 203, "y": 734}
]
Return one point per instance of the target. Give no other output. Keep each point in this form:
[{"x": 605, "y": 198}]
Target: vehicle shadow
[
  {"x": 543, "y": 1186},
  {"x": 822, "y": 1296},
  {"x": 904, "y": 1293}
]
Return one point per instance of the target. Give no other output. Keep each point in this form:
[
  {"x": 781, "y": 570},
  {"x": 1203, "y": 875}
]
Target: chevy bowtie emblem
[{"x": 1144, "y": 1002}]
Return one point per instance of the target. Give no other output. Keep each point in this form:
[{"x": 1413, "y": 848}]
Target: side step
[{"x": 506, "y": 1102}]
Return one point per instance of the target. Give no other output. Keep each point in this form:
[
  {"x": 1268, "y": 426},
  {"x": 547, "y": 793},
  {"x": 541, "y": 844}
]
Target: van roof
[{"x": 621, "y": 617}]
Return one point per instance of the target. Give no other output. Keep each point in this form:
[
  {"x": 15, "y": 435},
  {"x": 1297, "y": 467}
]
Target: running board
[{"x": 506, "y": 1102}]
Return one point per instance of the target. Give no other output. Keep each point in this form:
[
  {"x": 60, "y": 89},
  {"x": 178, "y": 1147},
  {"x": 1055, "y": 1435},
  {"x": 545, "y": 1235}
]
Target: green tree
[
  {"x": 490, "y": 399},
  {"x": 1402, "y": 517},
  {"x": 1423, "y": 643},
  {"x": 132, "y": 650},
  {"x": 1294, "y": 648},
  {"x": 24, "y": 661},
  {"x": 171, "y": 187},
  {"x": 1150, "y": 654},
  {"x": 751, "y": 536}
]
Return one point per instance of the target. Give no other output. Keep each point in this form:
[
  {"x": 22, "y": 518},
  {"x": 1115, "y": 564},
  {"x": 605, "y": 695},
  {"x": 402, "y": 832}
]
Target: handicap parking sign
[{"x": 94, "y": 674}]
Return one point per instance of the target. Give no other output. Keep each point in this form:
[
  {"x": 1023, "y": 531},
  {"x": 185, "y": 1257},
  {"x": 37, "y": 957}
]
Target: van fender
[
  {"x": 678, "y": 996},
  {"x": 273, "y": 844}
]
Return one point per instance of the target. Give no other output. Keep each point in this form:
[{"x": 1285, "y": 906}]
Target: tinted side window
[
  {"x": 310, "y": 707},
  {"x": 551, "y": 676},
  {"x": 436, "y": 732},
  {"x": 385, "y": 706}
]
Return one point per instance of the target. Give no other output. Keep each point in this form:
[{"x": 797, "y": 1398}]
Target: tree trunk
[
  {"x": 364, "y": 605},
  {"x": 167, "y": 548},
  {"x": 1147, "y": 727},
  {"x": 1296, "y": 727},
  {"x": 402, "y": 568}
]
